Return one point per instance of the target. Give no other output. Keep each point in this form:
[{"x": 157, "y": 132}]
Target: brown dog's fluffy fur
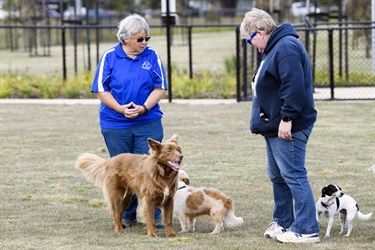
[
  {"x": 191, "y": 202},
  {"x": 152, "y": 178}
]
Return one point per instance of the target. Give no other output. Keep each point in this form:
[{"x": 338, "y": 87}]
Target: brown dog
[
  {"x": 153, "y": 178},
  {"x": 191, "y": 202}
]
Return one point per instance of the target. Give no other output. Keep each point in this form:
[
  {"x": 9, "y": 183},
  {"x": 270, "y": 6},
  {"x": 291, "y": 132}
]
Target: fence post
[
  {"x": 238, "y": 68},
  {"x": 244, "y": 71},
  {"x": 331, "y": 69},
  {"x": 63, "y": 51},
  {"x": 190, "y": 53},
  {"x": 168, "y": 24}
]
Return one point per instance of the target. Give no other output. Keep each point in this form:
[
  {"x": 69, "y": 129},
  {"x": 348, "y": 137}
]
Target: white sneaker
[
  {"x": 274, "y": 230},
  {"x": 290, "y": 237}
]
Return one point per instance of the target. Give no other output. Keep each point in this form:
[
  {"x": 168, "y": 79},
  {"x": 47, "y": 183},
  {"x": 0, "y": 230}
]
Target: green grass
[{"x": 47, "y": 204}]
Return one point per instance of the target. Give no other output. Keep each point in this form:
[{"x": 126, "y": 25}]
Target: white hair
[
  {"x": 131, "y": 25},
  {"x": 254, "y": 20}
]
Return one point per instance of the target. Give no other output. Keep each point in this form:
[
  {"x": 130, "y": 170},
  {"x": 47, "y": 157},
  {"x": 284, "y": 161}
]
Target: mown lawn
[{"x": 47, "y": 204}]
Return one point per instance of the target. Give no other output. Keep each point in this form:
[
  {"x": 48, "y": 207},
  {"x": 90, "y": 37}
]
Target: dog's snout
[{"x": 181, "y": 157}]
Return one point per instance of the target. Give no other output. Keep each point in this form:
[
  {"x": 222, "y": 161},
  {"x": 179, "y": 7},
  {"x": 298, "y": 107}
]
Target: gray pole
[{"x": 373, "y": 33}]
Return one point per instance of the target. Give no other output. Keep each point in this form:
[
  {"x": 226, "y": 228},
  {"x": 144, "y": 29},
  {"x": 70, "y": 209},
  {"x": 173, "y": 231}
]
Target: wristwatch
[{"x": 286, "y": 119}]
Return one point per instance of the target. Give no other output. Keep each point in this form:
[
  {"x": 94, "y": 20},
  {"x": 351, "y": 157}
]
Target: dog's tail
[
  {"x": 93, "y": 168},
  {"x": 363, "y": 216},
  {"x": 232, "y": 220}
]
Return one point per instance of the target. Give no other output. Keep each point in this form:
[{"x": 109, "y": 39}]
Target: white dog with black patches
[
  {"x": 334, "y": 201},
  {"x": 191, "y": 202}
]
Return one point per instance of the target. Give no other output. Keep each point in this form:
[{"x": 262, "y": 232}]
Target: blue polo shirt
[{"x": 128, "y": 80}]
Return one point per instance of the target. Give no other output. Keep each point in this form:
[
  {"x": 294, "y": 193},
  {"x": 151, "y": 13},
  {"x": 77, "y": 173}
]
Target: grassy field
[
  {"x": 209, "y": 52},
  {"x": 47, "y": 204},
  {"x": 207, "y": 44}
]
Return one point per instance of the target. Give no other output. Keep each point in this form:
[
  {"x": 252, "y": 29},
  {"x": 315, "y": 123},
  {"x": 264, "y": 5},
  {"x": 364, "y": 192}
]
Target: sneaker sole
[{"x": 307, "y": 240}]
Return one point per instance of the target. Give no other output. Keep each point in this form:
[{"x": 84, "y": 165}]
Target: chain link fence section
[{"x": 341, "y": 60}]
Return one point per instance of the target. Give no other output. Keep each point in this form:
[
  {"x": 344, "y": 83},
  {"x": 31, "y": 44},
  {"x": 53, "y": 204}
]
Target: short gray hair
[
  {"x": 131, "y": 25},
  {"x": 254, "y": 20}
]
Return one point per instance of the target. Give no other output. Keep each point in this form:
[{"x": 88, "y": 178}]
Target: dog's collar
[
  {"x": 181, "y": 187},
  {"x": 327, "y": 205}
]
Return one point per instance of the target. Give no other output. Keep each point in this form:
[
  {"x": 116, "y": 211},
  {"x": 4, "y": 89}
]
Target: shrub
[
  {"x": 354, "y": 79},
  {"x": 205, "y": 84},
  {"x": 15, "y": 85}
]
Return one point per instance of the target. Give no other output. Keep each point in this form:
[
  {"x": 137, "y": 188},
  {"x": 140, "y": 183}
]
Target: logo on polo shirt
[{"x": 146, "y": 65}]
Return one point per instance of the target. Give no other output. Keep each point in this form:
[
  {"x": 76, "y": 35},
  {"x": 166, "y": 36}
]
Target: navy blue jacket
[{"x": 283, "y": 85}]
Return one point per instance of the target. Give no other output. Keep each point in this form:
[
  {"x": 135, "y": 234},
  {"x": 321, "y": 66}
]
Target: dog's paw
[
  {"x": 171, "y": 234},
  {"x": 151, "y": 233},
  {"x": 214, "y": 232}
]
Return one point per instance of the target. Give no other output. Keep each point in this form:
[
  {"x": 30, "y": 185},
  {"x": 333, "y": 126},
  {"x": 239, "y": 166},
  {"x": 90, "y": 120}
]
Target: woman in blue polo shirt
[{"x": 130, "y": 80}]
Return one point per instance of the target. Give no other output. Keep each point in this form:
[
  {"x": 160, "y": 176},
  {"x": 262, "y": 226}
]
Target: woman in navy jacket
[{"x": 283, "y": 112}]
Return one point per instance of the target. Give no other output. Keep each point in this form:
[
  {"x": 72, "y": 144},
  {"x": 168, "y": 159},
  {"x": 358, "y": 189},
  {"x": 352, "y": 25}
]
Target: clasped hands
[{"x": 132, "y": 110}]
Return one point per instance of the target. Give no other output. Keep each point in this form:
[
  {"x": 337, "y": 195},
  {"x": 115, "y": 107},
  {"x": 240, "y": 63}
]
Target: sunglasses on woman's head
[{"x": 141, "y": 39}]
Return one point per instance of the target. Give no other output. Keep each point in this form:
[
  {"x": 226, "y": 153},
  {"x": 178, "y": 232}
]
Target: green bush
[
  {"x": 205, "y": 84},
  {"x": 15, "y": 85},
  {"x": 354, "y": 79}
]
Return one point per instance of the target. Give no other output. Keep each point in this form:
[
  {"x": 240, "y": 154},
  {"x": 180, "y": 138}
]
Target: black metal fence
[{"x": 341, "y": 53}]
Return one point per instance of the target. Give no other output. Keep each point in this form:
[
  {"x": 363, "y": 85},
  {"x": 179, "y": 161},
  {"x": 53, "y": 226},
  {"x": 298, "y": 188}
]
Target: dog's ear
[
  {"x": 324, "y": 192},
  {"x": 186, "y": 180},
  {"x": 174, "y": 138},
  {"x": 154, "y": 145}
]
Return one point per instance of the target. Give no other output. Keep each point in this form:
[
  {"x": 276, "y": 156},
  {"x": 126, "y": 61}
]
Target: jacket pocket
[{"x": 260, "y": 122}]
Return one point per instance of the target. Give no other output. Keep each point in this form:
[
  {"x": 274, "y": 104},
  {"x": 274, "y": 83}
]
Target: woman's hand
[
  {"x": 132, "y": 110},
  {"x": 285, "y": 130}
]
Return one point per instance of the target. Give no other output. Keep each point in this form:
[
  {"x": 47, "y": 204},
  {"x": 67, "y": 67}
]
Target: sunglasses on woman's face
[
  {"x": 251, "y": 37},
  {"x": 141, "y": 39}
]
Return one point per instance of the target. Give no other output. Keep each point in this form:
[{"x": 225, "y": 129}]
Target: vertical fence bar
[
  {"x": 244, "y": 70},
  {"x": 75, "y": 49},
  {"x": 88, "y": 41},
  {"x": 331, "y": 69},
  {"x": 314, "y": 56},
  {"x": 168, "y": 24},
  {"x": 190, "y": 52},
  {"x": 238, "y": 67},
  {"x": 63, "y": 44},
  {"x": 97, "y": 30},
  {"x": 346, "y": 54}
]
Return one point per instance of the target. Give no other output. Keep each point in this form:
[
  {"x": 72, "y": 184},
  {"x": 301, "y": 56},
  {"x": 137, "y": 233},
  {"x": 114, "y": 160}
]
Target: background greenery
[
  {"x": 47, "y": 204},
  {"x": 206, "y": 84}
]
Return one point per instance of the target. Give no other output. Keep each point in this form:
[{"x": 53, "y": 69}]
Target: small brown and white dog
[{"x": 191, "y": 202}]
